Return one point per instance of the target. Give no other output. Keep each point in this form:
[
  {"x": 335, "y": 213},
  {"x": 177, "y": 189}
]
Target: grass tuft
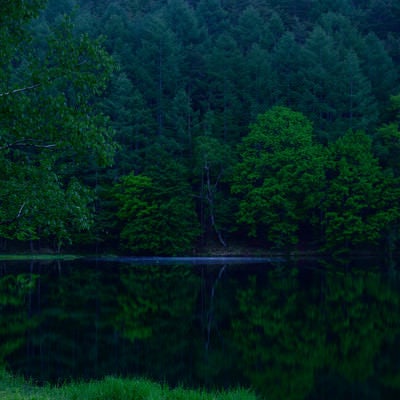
[{"x": 110, "y": 388}]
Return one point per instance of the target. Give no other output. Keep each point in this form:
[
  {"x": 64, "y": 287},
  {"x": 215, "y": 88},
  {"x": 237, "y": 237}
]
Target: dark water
[{"x": 302, "y": 330}]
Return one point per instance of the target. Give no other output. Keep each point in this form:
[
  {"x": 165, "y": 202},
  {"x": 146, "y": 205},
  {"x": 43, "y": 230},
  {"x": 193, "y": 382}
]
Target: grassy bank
[{"x": 110, "y": 388}]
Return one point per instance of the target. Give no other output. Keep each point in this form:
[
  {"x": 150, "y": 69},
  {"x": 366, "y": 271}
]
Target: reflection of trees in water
[
  {"x": 295, "y": 332},
  {"x": 177, "y": 321},
  {"x": 71, "y": 307},
  {"x": 15, "y": 297},
  {"x": 155, "y": 313}
]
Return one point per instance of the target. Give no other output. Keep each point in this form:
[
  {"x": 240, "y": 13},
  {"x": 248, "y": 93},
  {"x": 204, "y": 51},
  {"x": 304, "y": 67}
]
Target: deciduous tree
[
  {"x": 155, "y": 219},
  {"x": 48, "y": 125},
  {"x": 279, "y": 177}
]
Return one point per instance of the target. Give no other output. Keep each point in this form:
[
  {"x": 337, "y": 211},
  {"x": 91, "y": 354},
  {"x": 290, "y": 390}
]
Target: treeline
[{"x": 270, "y": 123}]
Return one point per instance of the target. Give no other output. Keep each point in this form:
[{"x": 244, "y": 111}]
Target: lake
[{"x": 289, "y": 330}]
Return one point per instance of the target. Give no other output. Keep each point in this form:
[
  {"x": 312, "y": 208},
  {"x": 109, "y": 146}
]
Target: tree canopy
[
  {"x": 243, "y": 108},
  {"x": 49, "y": 125}
]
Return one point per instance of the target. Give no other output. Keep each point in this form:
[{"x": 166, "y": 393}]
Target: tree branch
[
  {"x": 27, "y": 142},
  {"x": 9, "y": 221},
  {"x": 20, "y": 90}
]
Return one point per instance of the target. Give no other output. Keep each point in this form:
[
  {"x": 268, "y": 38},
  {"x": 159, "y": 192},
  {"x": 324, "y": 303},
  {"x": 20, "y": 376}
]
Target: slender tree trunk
[{"x": 210, "y": 200}]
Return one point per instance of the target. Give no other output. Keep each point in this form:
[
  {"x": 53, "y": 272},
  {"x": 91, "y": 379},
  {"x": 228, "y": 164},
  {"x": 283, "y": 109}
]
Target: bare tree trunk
[{"x": 210, "y": 200}]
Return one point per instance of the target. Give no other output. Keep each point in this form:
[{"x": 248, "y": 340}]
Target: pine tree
[
  {"x": 321, "y": 74},
  {"x": 287, "y": 61},
  {"x": 379, "y": 68},
  {"x": 359, "y": 110}
]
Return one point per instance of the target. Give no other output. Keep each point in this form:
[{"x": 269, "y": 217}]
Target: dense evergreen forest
[{"x": 163, "y": 126}]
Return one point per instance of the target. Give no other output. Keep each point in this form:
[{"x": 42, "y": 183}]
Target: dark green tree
[
  {"x": 358, "y": 108},
  {"x": 259, "y": 87},
  {"x": 387, "y": 138},
  {"x": 212, "y": 17},
  {"x": 49, "y": 127},
  {"x": 380, "y": 69},
  {"x": 287, "y": 61},
  {"x": 132, "y": 121},
  {"x": 321, "y": 81},
  {"x": 250, "y": 29},
  {"x": 224, "y": 71}
]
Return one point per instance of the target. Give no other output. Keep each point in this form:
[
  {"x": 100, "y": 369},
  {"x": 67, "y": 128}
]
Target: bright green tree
[
  {"x": 279, "y": 177},
  {"x": 360, "y": 200},
  {"x": 155, "y": 219}
]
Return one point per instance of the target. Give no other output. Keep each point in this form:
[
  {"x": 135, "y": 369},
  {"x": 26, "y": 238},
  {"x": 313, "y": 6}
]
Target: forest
[{"x": 165, "y": 127}]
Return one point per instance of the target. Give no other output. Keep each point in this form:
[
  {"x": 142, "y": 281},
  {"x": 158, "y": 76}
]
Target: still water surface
[{"x": 302, "y": 330}]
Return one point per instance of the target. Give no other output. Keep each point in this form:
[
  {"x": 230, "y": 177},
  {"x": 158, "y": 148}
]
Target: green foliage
[
  {"x": 49, "y": 129},
  {"x": 360, "y": 200},
  {"x": 186, "y": 70},
  {"x": 279, "y": 177},
  {"x": 387, "y": 138},
  {"x": 155, "y": 219},
  {"x": 69, "y": 212}
]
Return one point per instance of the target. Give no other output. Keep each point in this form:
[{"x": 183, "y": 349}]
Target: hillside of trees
[{"x": 164, "y": 126}]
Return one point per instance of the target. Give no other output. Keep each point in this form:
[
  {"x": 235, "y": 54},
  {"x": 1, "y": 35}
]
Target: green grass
[{"x": 110, "y": 388}]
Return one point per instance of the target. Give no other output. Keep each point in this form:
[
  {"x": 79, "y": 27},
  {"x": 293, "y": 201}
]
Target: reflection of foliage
[
  {"x": 280, "y": 352},
  {"x": 151, "y": 297},
  {"x": 156, "y": 313},
  {"x": 361, "y": 312},
  {"x": 289, "y": 335},
  {"x": 76, "y": 305},
  {"x": 13, "y": 320}
]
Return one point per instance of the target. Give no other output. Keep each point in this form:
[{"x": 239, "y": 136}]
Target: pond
[{"x": 303, "y": 330}]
